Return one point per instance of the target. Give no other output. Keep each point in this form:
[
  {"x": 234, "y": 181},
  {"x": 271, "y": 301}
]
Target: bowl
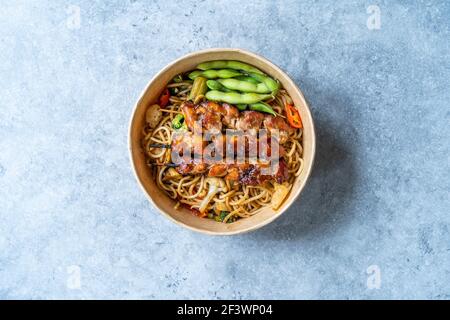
[{"x": 159, "y": 199}]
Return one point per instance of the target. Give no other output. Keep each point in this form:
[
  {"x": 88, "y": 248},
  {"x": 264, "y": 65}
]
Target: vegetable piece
[
  {"x": 195, "y": 74},
  {"x": 199, "y": 88},
  {"x": 223, "y": 215},
  {"x": 168, "y": 156},
  {"x": 173, "y": 91},
  {"x": 293, "y": 116},
  {"x": 171, "y": 173},
  {"x": 220, "y": 207},
  {"x": 228, "y": 64},
  {"x": 164, "y": 98},
  {"x": 216, "y": 185},
  {"x": 214, "y": 74},
  {"x": 178, "y": 78},
  {"x": 178, "y": 122},
  {"x": 272, "y": 84},
  {"x": 236, "y": 98},
  {"x": 153, "y": 115},
  {"x": 281, "y": 191},
  {"x": 262, "y": 107},
  {"x": 248, "y": 79},
  {"x": 244, "y": 86},
  {"x": 241, "y": 107},
  {"x": 231, "y": 219},
  {"x": 216, "y": 85}
]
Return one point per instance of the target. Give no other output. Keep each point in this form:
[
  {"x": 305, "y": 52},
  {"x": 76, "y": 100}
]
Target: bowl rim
[{"x": 261, "y": 223}]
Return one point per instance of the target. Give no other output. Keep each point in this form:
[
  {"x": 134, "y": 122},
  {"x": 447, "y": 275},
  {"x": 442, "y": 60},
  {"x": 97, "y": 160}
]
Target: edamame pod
[
  {"x": 244, "y": 86},
  {"x": 272, "y": 84},
  {"x": 241, "y": 107},
  {"x": 248, "y": 79},
  {"x": 216, "y": 85},
  {"x": 214, "y": 74},
  {"x": 236, "y": 98},
  {"x": 228, "y": 64},
  {"x": 262, "y": 107},
  {"x": 195, "y": 74}
]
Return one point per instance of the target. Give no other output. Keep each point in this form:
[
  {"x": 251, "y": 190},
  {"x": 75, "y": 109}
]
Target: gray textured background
[{"x": 379, "y": 194}]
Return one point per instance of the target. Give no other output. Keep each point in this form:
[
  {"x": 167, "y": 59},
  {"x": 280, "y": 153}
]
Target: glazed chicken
[
  {"x": 212, "y": 115},
  {"x": 193, "y": 144},
  {"x": 249, "y": 174},
  {"x": 246, "y": 173},
  {"x": 218, "y": 117}
]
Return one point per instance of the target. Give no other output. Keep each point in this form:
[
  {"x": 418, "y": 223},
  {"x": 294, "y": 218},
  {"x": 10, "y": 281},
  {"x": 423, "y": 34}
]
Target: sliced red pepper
[
  {"x": 293, "y": 116},
  {"x": 164, "y": 98}
]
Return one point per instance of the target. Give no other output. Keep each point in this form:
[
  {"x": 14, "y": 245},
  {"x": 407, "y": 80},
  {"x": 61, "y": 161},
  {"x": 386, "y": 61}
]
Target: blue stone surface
[{"x": 372, "y": 223}]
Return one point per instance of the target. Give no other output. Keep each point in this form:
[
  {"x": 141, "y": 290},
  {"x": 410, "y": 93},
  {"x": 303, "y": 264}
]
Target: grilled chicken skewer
[
  {"x": 217, "y": 117},
  {"x": 214, "y": 116},
  {"x": 246, "y": 173}
]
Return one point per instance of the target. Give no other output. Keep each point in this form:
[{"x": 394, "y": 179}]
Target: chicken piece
[
  {"x": 214, "y": 115},
  {"x": 233, "y": 174},
  {"x": 249, "y": 120},
  {"x": 191, "y": 168},
  {"x": 211, "y": 121},
  {"x": 278, "y": 123},
  {"x": 281, "y": 150},
  {"x": 217, "y": 170},
  {"x": 187, "y": 142},
  {"x": 281, "y": 175},
  {"x": 251, "y": 143},
  {"x": 230, "y": 115},
  {"x": 205, "y": 114},
  {"x": 211, "y": 106},
  {"x": 249, "y": 174},
  {"x": 222, "y": 142},
  {"x": 185, "y": 146},
  {"x": 190, "y": 116}
]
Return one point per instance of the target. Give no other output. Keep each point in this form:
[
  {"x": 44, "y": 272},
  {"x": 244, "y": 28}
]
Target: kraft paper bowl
[{"x": 161, "y": 201}]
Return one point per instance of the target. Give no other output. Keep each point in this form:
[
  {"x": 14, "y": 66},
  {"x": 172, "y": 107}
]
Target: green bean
[
  {"x": 248, "y": 79},
  {"x": 228, "y": 64},
  {"x": 244, "y": 86},
  {"x": 216, "y": 85},
  {"x": 236, "y": 98},
  {"x": 214, "y": 74},
  {"x": 199, "y": 88},
  {"x": 262, "y": 107},
  {"x": 241, "y": 107},
  {"x": 272, "y": 84}
]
